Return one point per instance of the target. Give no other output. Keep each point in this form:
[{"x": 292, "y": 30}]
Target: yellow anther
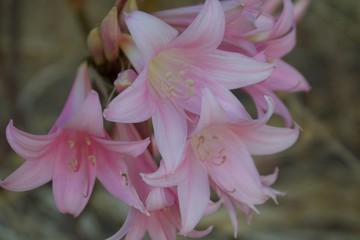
[
  {"x": 125, "y": 178},
  {"x": 92, "y": 159},
  {"x": 87, "y": 140},
  {"x": 71, "y": 143},
  {"x": 181, "y": 74}
]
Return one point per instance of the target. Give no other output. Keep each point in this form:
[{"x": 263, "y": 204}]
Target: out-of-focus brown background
[{"x": 43, "y": 42}]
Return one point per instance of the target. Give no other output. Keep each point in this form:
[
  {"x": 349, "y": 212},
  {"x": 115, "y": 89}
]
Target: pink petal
[
  {"x": 199, "y": 234},
  {"x": 124, "y": 79},
  {"x": 232, "y": 70},
  {"x": 114, "y": 176},
  {"x": 258, "y": 92},
  {"x": 130, "y": 222},
  {"x": 170, "y": 131},
  {"x": 211, "y": 112},
  {"x": 29, "y": 146},
  {"x": 132, "y": 52},
  {"x": 160, "y": 227},
  {"x": 132, "y": 105},
  {"x": 138, "y": 229},
  {"x": 30, "y": 175},
  {"x": 231, "y": 104},
  {"x": 279, "y": 47},
  {"x": 80, "y": 88},
  {"x": 286, "y": 78},
  {"x": 207, "y": 30},
  {"x": 285, "y": 21},
  {"x": 194, "y": 196},
  {"x": 149, "y": 33},
  {"x": 160, "y": 178},
  {"x": 300, "y": 9},
  {"x": 231, "y": 210},
  {"x": 89, "y": 117},
  {"x": 159, "y": 198},
  {"x": 72, "y": 188},
  {"x": 270, "y": 179},
  {"x": 237, "y": 175},
  {"x": 248, "y": 124},
  {"x": 132, "y": 149},
  {"x": 110, "y": 34},
  {"x": 269, "y": 140}
]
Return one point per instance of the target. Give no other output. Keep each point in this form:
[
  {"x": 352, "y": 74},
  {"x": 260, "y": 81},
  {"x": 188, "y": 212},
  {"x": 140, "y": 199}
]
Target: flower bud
[
  {"x": 95, "y": 46},
  {"x": 110, "y": 34}
]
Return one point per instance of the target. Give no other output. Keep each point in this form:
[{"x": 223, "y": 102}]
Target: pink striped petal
[
  {"x": 194, "y": 196},
  {"x": 207, "y": 30},
  {"x": 232, "y": 70},
  {"x": 170, "y": 133},
  {"x": 211, "y": 112},
  {"x": 269, "y": 140}
]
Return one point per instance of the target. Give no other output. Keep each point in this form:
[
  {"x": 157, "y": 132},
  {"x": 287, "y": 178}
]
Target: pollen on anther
[
  {"x": 181, "y": 73},
  {"x": 72, "y": 165},
  {"x": 71, "y": 143},
  {"x": 87, "y": 141},
  {"x": 92, "y": 159},
  {"x": 125, "y": 178}
]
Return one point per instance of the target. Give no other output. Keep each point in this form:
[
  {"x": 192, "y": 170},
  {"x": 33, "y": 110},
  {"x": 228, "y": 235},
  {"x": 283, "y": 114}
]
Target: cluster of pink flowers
[{"x": 186, "y": 64}]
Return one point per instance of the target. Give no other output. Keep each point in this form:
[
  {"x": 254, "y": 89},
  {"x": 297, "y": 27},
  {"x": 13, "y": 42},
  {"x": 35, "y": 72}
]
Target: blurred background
[{"x": 42, "y": 43}]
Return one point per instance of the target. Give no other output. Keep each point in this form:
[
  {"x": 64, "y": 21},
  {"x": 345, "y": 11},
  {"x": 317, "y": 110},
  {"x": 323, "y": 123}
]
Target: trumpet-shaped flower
[
  {"x": 219, "y": 151},
  {"x": 173, "y": 71},
  {"x": 162, "y": 204},
  {"x": 74, "y": 153}
]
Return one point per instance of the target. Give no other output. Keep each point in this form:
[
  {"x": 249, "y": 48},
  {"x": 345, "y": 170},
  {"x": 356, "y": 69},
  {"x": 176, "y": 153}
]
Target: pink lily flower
[
  {"x": 174, "y": 70},
  {"x": 219, "y": 152},
  {"x": 74, "y": 153},
  {"x": 163, "y": 221}
]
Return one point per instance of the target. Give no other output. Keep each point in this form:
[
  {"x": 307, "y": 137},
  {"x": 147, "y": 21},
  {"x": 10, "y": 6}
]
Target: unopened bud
[
  {"x": 124, "y": 79},
  {"x": 95, "y": 46},
  {"x": 110, "y": 35}
]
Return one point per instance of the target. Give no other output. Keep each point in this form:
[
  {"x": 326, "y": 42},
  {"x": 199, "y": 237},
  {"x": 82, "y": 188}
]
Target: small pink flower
[
  {"x": 219, "y": 152},
  {"x": 174, "y": 69},
  {"x": 74, "y": 153}
]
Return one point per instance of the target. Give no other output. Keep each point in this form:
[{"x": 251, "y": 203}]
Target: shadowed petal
[
  {"x": 128, "y": 224},
  {"x": 286, "y": 78},
  {"x": 115, "y": 178},
  {"x": 211, "y": 112}
]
